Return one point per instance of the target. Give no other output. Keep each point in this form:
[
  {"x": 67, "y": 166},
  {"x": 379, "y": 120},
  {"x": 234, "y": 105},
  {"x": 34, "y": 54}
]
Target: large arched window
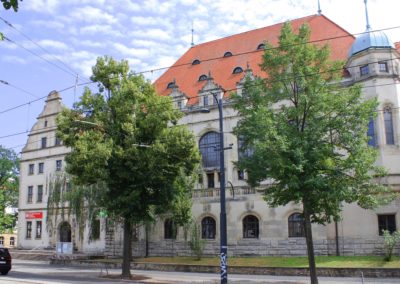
[
  {"x": 208, "y": 228},
  {"x": 296, "y": 226},
  {"x": 170, "y": 230},
  {"x": 388, "y": 118},
  {"x": 250, "y": 227},
  {"x": 209, "y": 148}
]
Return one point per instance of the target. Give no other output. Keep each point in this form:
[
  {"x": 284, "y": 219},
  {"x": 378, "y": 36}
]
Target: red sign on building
[{"x": 33, "y": 215}]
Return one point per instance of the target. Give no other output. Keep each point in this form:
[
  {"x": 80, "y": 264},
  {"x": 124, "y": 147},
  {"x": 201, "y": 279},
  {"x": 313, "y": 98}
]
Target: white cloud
[
  {"x": 100, "y": 29},
  {"x": 48, "y": 24},
  {"x": 42, "y": 6},
  {"x": 48, "y": 43},
  {"x": 92, "y": 15},
  {"x": 132, "y": 52},
  {"x": 158, "y": 34},
  {"x": 13, "y": 59}
]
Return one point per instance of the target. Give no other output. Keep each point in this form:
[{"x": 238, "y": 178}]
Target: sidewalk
[{"x": 208, "y": 278}]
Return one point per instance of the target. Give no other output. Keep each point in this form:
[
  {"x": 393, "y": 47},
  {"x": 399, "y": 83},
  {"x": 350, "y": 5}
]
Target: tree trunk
[
  {"x": 310, "y": 246},
  {"x": 127, "y": 253},
  {"x": 146, "y": 226}
]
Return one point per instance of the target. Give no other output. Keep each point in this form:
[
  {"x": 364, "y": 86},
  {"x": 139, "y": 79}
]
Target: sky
[{"x": 55, "y": 41}]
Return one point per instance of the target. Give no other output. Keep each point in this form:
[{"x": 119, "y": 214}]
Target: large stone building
[{"x": 253, "y": 227}]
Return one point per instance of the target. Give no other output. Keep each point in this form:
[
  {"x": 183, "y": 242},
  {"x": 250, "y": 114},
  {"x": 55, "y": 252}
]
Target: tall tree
[
  {"x": 308, "y": 134},
  {"x": 126, "y": 137},
  {"x": 9, "y": 177}
]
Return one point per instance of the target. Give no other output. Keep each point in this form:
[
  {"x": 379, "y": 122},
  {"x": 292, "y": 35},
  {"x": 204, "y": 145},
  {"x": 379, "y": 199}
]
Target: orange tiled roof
[{"x": 211, "y": 54}]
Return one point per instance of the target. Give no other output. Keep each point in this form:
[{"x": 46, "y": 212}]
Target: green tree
[
  {"x": 307, "y": 133},
  {"x": 126, "y": 137},
  {"x": 9, "y": 177},
  {"x": 8, "y": 4}
]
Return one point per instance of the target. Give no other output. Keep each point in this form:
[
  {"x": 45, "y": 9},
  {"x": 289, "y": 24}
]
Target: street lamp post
[
  {"x": 223, "y": 234},
  {"x": 223, "y": 228}
]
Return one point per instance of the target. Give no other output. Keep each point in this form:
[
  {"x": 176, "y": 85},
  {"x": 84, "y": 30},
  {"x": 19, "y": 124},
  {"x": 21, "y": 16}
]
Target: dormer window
[
  {"x": 364, "y": 70},
  {"x": 261, "y": 46},
  {"x": 205, "y": 100},
  {"x": 179, "y": 104},
  {"x": 237, "y": 70},
  {"x": 383, "y": 67},
  {"x": 227, "y": 54},
  {"x": 203, "y": 78},
  {"x": 170, "y": 85},
  {"x": 196, "y": 62}
]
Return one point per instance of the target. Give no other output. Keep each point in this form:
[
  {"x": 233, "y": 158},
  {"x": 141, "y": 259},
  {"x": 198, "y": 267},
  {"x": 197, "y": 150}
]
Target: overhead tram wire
[
  {"x": 39, "y": 56},
  {"x": 227, "y": 90},
  {"x": 199, "y": 96},
  {"x": 264, "y": 49},
  {"x": 41, "y": 98},
  {"x": 18, "y": 88},
  {"x": 216, "y": 58},
  {"x": 38, "y": 45}
]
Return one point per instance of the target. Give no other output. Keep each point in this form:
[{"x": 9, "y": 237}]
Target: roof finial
[
  {"x": 319, "y": 8},
  {"x": 366, "y": 15},
  {"x": 192, "y": 44}
]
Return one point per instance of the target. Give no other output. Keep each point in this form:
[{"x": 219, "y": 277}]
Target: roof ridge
[
  {"x": 338, "y": 26},
  {"x": 238, "y": 34}
]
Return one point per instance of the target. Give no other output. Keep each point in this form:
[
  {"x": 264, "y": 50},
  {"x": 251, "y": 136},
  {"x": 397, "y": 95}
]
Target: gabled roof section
[{"x": 244, "y": 49}]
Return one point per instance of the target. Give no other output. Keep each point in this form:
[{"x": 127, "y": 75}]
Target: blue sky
[{"x": 149, "y": 34}]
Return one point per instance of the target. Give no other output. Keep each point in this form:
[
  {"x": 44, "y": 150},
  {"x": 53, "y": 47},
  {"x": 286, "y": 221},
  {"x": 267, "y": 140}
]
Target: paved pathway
[{"x": 40, "y": 272}]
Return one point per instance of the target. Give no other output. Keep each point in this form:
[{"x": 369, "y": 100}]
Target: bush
[
  {"x": 196, "y": 243},
  {"x": 390, "y": 241}
]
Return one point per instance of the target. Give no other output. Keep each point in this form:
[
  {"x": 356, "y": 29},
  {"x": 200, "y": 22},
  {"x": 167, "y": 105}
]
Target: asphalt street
[{"x": 40, "y": 272}]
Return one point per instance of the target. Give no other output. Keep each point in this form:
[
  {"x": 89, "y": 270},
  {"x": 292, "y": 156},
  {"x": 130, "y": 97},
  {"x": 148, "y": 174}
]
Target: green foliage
[
  {"x": 390, "y": 241},
  {"x": 7, "y": 4},
  {"x": 66, "y": 199},
  {"x": 196, "y": 243},
  {"x": 308, "y": 133},
  {"x": 9, "y": 182},
  {"x": 125, "y": 114},
  {"x": 126, "y": 137}
]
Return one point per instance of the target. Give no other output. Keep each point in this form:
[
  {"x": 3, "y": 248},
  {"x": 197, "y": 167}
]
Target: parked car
[{"x": 5, "y": 261}]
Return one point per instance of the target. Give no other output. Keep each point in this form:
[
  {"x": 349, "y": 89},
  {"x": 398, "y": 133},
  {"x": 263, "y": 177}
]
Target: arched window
[
  {"x": 250, "y": 227},
  {"x": 208, "y": 228},
  {"x": 170, "y": 230},
  {"x": 237, "y": 70},
  {"x": 196, "y": 62},
  {"x": 170, "y": 85},
  {"x": 261, "y": 46},
  {"x": 65, "y": 232},
  {"x": 371, "y": 133},
  {"x": 227, "y": 54},
  {"x": 244, "y": 152},
  {"x": 388, "y": 118},
  {"x": 203, "y": 77},
  {"x": 296, "y": 226},
  {"x": 209, "y": 148}
]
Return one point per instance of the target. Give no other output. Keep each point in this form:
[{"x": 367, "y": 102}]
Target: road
[{"x": 40, "y": 272}]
